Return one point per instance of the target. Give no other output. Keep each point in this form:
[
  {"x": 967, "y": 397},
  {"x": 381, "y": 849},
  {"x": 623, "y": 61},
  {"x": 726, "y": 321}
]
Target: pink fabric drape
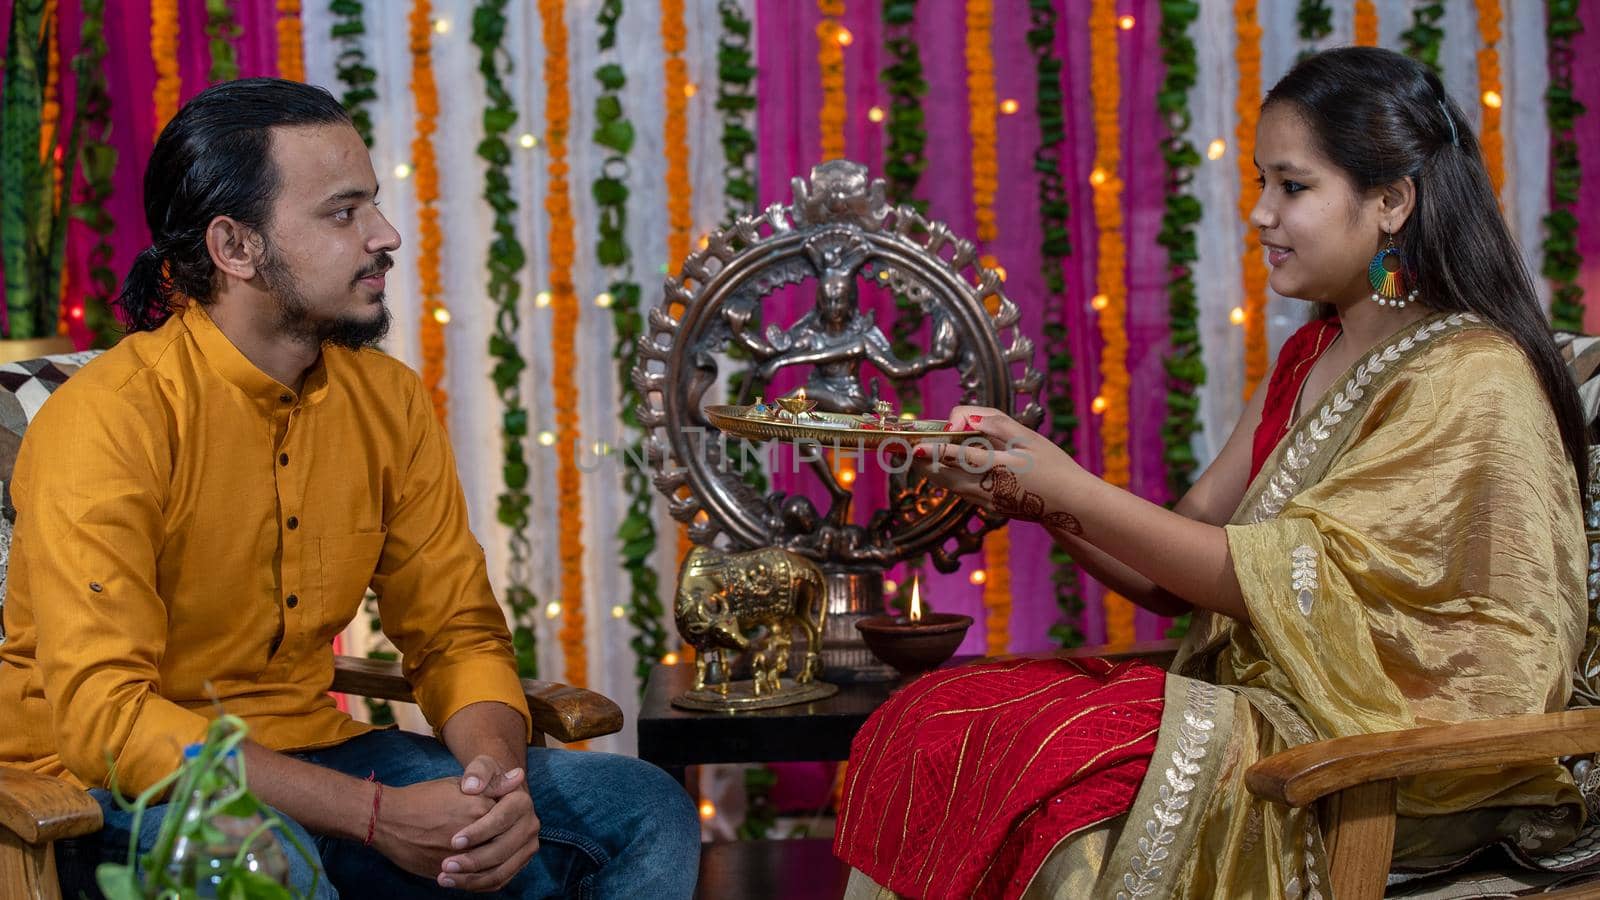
[
  {"x": 789, "y": 144},
  {"x": 1586, "y": 86}
]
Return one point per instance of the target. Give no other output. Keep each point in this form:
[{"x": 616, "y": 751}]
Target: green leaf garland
[
  {"x": 1314, "y": 18},
  {"x": 1422, "y": 40},
  {"x": 614, "y": 135},
  {"x": 98, "y": 160},
  {"x": 506, "y": 259},
  {"x": 1054, "y": 221},
  {"x": 1186, "y": 371},
  {"x": 1562, "y": 261},
  {"x": 351, "y": 66},
  {"x": 33, "y": 229},
  {"x": 905, "y": 128},
  {"x": 221, "y": 30}
]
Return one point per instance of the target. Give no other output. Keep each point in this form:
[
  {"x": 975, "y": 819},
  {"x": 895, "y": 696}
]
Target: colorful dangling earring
[{"x": 1390, "y": 276}]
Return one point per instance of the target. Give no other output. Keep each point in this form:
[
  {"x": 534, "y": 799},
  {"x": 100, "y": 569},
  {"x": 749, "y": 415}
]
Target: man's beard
[{"x": 294, "y": 309}]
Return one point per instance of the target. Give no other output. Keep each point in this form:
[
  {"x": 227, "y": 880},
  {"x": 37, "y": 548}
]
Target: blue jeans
[{"x": 610, "y": 826}]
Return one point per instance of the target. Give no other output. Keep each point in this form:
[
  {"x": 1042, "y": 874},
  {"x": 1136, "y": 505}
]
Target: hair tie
[{"x": 1455, "y": 138}]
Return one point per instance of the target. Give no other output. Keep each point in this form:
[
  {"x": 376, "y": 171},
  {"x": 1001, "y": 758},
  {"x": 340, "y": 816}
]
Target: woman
[{"x": 1390, "y": 538}]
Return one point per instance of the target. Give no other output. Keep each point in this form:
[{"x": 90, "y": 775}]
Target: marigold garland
[
  {"x": 1112, "y": 294},
  {"x": 1366, "y": 24},
  {"x": 164, "y": 51},
  {"x": 1562, "y": 261},
  {"x": 1490, "y": 92},
  {"x": 425, "y": 171},
  {"x": 830, "y": 58},
  {"x": 680, "y": 191},
  {"x": 982, "y": 112},
  {"x": 291, "y": 43},
  {"x": 1247, "y": 109},
  {"x": 563, "y": 342}
]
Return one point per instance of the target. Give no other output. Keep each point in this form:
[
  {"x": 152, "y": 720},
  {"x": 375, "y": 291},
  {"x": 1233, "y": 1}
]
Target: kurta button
[
  {"x": 96, "y": 587},
  {"x": 283, "y": 459},
  {"x": 293, "y": 523},
  {"x": 291, "y": 601}
]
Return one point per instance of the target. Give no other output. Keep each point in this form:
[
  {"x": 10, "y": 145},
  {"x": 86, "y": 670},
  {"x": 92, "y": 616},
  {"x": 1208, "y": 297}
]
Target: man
[{"x": 201, "y": 509}]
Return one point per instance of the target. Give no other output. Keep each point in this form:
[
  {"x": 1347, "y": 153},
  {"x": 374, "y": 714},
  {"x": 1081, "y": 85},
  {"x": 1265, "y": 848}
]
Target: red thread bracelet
[{"x": 377, "y": 798}]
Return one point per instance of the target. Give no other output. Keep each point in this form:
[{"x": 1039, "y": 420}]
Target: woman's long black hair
[
  {"x": 213, "y": 159},
  {"x": 1382, "y": 117}
]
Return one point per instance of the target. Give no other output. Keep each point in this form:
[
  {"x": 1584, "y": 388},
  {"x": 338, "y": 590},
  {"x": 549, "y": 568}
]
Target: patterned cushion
[{"x": 24, "y": 386}]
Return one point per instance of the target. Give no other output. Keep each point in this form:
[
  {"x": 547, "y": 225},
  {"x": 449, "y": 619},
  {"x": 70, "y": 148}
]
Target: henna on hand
[
  {"x": 1060, "y": 521},
  {"x": 1011, "y": 500}
]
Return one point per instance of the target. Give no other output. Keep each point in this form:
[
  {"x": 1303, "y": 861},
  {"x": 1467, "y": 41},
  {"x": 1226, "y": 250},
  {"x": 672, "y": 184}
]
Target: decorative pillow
[{"x": 24, "y": 387}]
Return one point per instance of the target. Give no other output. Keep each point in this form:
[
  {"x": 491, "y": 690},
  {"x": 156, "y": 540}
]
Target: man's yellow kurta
[{"x": 191, "y": 535}]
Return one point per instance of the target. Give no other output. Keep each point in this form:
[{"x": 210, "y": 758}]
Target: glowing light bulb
[
  {"x": 689, "y": 89},
  {"x": 1491, "y": 99},
  {"x": 847, "y": 477},
  {"x": 1099, "y": 302},
  {"x": 601, "y": 448},
  {"x": 547, "y": 438},
  {"x": 403, "y": 170},
  {"x": 978, "y": 576},
  {"x": 1099, "y": 405},
  {"x": 1126, "y": 23},
  {"x": 541, "y": 299},
  {"x": 528, "y": 141},
  {"x": 441, "y": 315},
  {"x": 442, "y": 26},
  {"x": 1098, "y": 176},
  {"x": 1216, "y": 149},
  {"x": 618, "y": 612},
  {"x": 671, "y": 659},
  {"x": 604, "y": 300},
  {"x": 708, "y": 810},
  {"x": 76, "y": 312},
  {"x": 1008, "y": 106},
  {"x": 875, "y": 114},
  {"x": 844, "y": 37},
  {"x": 890, "y": 586},
  {"x": 1236, "y": 315},
  {"x": 552, "y": 609}
]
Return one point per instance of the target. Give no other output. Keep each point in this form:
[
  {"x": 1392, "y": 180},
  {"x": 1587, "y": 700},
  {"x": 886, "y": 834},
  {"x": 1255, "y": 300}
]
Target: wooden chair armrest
[
  {"x": 40, "y": 809},
  {"x": 563, "y": 712},
  {"x": 1305, "y": 774}
]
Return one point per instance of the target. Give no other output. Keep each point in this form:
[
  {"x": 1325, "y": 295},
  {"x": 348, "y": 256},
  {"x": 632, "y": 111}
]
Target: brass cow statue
[{"x": 749, "y": 600}]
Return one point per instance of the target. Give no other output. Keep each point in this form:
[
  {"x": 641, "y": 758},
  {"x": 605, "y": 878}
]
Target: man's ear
[
  {"x": 1399, "y": 201},
  {"x": 235, "y": 247}
]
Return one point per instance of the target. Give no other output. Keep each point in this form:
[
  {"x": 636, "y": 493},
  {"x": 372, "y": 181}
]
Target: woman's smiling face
[{"x": 1318, "y": 232}]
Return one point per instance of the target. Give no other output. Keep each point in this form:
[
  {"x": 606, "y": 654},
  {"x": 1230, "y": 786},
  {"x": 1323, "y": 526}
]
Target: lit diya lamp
[
  {"x": 917, "y": 641},
  {"x": 796, "y": 405}
]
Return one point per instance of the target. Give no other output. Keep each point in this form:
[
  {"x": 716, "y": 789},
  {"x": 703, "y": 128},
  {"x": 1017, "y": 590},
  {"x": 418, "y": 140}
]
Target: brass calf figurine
[{"x": 749, "y": 600}]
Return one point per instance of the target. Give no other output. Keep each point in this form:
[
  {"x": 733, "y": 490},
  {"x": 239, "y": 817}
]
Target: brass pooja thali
[{"x": 794, "y": 419}]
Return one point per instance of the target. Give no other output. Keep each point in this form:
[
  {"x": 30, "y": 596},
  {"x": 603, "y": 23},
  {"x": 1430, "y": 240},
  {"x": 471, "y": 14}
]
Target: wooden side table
[{"x": 672, "y": 738}]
